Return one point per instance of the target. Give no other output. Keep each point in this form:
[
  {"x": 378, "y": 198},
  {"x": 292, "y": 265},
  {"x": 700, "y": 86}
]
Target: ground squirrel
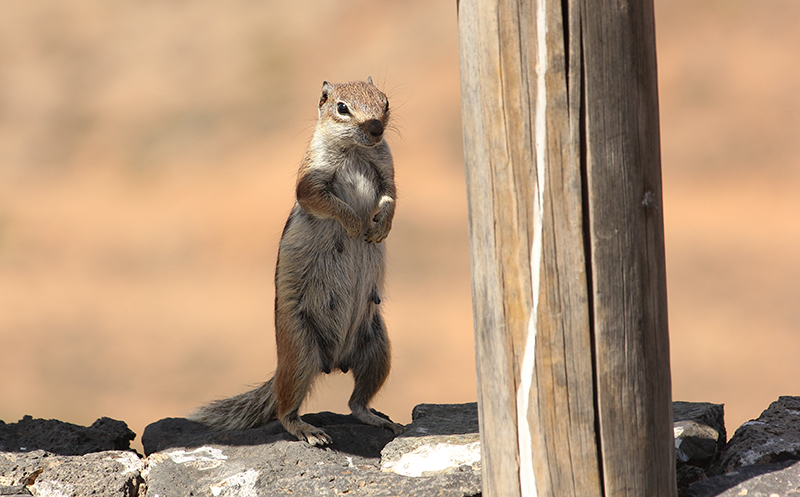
[{"x": 330, "y": 270}]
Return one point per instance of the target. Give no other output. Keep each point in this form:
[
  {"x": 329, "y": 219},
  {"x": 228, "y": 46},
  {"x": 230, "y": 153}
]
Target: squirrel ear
[
  {"x": 327, "y": 88},
  {"x": 369, "y": 80}
]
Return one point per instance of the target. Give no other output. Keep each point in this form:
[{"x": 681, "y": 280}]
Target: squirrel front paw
[
  {"x": 382, "y": 221},
  {"x": 378, "y": 231}
]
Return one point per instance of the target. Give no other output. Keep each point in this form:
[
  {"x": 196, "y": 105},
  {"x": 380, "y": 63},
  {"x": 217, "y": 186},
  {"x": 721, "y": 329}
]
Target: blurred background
[{"x": 148, "y": 153}]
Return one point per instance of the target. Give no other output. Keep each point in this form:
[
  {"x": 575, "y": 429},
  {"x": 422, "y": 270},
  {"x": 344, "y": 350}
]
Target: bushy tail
[{"x": 247, "y": 410}]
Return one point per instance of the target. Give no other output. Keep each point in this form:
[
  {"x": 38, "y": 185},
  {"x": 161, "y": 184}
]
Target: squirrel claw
[{"x": 318, "y": 438}]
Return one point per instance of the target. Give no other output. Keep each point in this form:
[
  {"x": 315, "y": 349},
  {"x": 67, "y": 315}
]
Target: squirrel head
[{"x": 356, "y": 112}]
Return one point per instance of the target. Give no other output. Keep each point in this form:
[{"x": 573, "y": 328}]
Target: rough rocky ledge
[
  {"x": 186, "y": 458},
  {"x": 439, "y": 454}
]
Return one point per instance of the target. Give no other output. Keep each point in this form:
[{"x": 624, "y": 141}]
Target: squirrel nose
[{"x": 374, "y": 127}]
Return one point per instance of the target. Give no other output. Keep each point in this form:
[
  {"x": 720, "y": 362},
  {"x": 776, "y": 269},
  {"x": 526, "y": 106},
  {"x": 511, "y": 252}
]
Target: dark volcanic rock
[
  {"x": 699, "y": 431},
  {"x": 773, "y": 437},
  {"x": 50, "y": 457},
  {"x": 686, "y": 476},
  {"x": 763, "y": 480},
  {"x": 711, "y": 415},
  {"x": 443, "y": 419},
  {"x": 695, "y": 443},
  {"x": 62, "y": 438}
]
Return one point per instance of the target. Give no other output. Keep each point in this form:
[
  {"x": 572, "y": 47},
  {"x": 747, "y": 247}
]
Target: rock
[
  {"x": 62, "y": 438},
  {"x": 108, "y": 474},
  {"x": 773, "y": 437},
  {"x": 695, "y": 443},
  {"x": 686, "y": 476},
  {"x": 441, "y": 439},
  {"x": 279, "y": 468},
  {"x": 699, "y": 430},
  {"x": 763, "y": 480},
  {"x": 50, "y": 457},
  {"x": 432, "y": 455},
  {"x": 439, "y": 454},
  {"x": 349, "y": 435},
  {"x": 14, "y": 490},
  {"x": 443, "y": 419},
  {"x": 711, "y": 415},
  {"x": 189, "y": 459}
]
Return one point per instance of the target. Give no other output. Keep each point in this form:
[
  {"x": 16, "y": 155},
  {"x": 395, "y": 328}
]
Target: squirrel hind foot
[
  {"x": 316, "y": 437},
  {"x": 305, "y": 432},
  {"x": 368, "y": 417},
  {"x": 313, "y": 435}
]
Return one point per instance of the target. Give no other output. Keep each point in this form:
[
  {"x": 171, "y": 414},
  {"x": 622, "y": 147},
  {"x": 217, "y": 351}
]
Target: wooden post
[{"x": 561, "y": 138}]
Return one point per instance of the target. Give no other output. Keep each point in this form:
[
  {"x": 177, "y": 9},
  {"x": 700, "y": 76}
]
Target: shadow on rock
[{"x": 349, "y": 435}]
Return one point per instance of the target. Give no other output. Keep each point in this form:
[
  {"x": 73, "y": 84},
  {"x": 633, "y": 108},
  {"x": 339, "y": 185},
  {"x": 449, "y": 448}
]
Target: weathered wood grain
[
  {"x": 560, "y": 117},
  {"x": 498, "y": 378},
  {"x": 627, "y": 247}
]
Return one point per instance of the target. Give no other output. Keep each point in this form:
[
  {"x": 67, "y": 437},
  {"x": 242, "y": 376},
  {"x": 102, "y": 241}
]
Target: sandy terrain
[{"x": 147, "y": 161}]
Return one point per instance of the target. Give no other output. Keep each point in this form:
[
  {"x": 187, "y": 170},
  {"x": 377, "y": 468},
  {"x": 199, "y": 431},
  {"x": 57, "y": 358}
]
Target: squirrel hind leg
[
  {"x": 366, "y": 416},
  {"x": 293, "y": 380},
  {"x": 370, "y": 372},
  {"x": 304, "y": 431}
]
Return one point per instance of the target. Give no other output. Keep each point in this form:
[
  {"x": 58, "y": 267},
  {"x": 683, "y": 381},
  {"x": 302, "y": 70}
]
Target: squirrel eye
[
  {"x": 342, "y": 109},
  {"x": 386, "y": 107}
]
